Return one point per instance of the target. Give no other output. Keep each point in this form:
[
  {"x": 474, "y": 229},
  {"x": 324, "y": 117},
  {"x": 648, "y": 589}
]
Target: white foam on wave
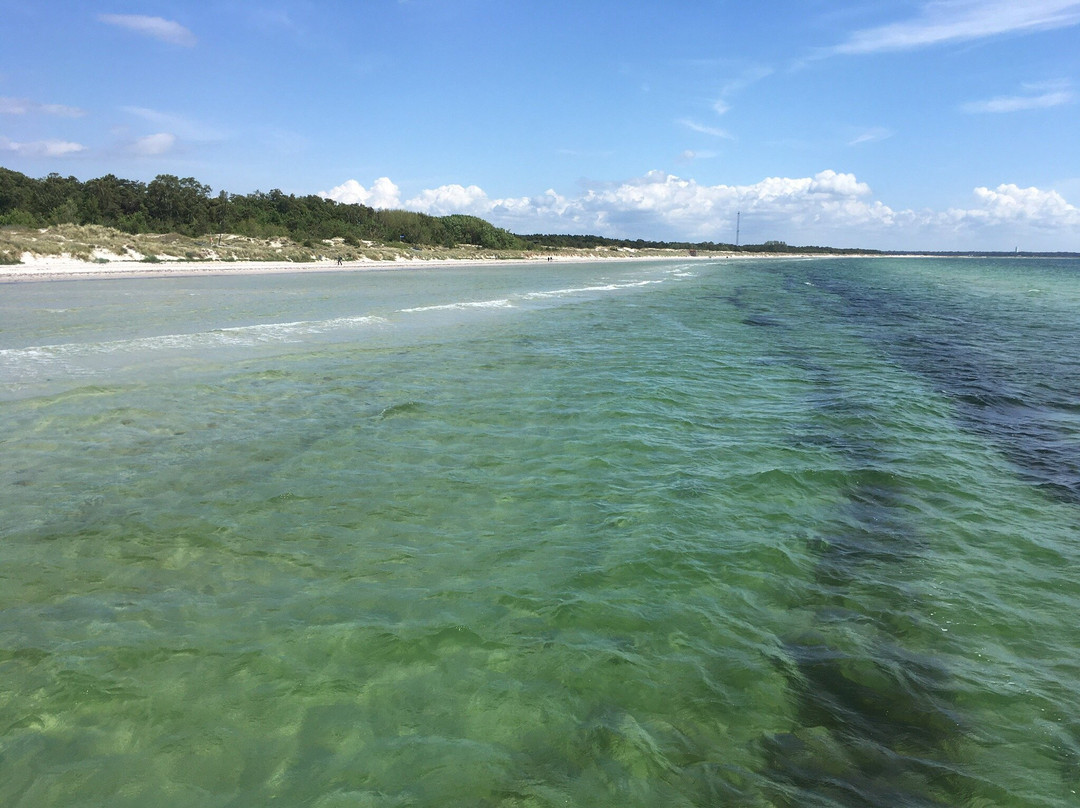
[
  {"x": 576, "y": 290},
  {"x": 583, "y": 290},
  {"x": 18, "y": 362},
  {"x": 547, "y": 294},
  {"x": 501, "y": 303},
  {"x": 509, "y": 303},
  {"x": 291, "y": 332}
]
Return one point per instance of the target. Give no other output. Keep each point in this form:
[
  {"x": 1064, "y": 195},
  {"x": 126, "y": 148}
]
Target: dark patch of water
[
  {"x": 1017, "y": 388},
  {"x": 877, "y": 722}
]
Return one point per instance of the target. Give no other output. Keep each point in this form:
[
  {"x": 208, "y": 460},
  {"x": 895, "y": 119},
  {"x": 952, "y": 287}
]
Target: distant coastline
[
  {"x": 74, "y": 265},
  {"x": 67, "y": 268},
  {"x": 67, "y": 251}
]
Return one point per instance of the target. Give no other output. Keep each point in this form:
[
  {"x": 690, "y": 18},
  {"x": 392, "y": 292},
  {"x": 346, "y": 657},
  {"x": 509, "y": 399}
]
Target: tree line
[{"x": 170, "y": 204}]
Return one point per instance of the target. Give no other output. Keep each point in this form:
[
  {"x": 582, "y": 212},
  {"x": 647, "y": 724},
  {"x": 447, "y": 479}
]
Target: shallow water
[{"x": 759, "y": 533}]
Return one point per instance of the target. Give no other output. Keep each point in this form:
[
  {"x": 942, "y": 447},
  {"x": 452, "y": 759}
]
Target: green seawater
[{"x": 766, "y": 533}]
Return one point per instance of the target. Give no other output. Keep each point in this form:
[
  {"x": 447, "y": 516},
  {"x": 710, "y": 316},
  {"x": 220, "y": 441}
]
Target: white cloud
[
  {"x": 447, "y": 199},
  {"x": 1006, "y": 216},
  {"x": 154, "y": 145},
  {"x": 1011, "y": 203},
  {"x": 22, "y": 106},
  {"x": 752, "y": 75},
  {"x": 831, "y": 207},
  {"x": 61, "y": 110},
  {"x": 42, "y": 148},
  {"x": 14, "y": 106},
  {"x": 871, "y": 136},
  {"x": 546, "y": 211},
  {"x": 749, "y": 76},
  {"x": 703, "y": 129},
  {"x": 186, "y": 128},
  {"x": 650, "y": 206},
  {"x": 942, "y": 21},
  {"x": 156, "y": 27},
  {"x": 690, "y": 155},
  {"x": 1037, "y": 96},
  {"x": 383, "y": 194}
]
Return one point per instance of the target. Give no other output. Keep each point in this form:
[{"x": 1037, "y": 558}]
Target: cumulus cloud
[
  {"x": 661, "y": 202},
  {"x": 447, "y": 199},
  {"x": 155, "y": 27},
  {"x": 1011, "y": 203},
  {"x": 656, "y": 203},
  {"x": 382, "y": 194},
  {"x": 154, "y": 145},
  {"x": 943, "y": 21},
  {"x": 1036, "y": 96},
  {"x": 1005, "y": 216},
  {"x": 831, "y": 207},
  {"x": 42, "y": 148}
]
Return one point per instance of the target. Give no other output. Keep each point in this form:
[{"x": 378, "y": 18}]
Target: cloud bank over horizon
[{"x": 831, "y": 208}]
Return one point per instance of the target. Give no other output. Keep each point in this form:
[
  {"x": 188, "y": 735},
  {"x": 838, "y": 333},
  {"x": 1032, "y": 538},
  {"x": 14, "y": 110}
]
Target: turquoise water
[{"x": 758, "y": 533}]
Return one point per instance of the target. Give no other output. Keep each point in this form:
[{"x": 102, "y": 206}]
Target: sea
[{"x": 764, "y": 533}]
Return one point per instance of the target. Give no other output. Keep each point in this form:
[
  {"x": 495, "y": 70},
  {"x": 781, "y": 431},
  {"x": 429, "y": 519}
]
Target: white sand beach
[{"x": 53, "y": 268}]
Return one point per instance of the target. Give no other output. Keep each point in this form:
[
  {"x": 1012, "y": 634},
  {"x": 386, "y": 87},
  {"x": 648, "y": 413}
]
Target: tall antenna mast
[{"x": 738, "y": 223}]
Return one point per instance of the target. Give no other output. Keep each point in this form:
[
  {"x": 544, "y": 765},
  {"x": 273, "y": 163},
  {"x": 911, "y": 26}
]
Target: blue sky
[{"x": 895, "y": 124}]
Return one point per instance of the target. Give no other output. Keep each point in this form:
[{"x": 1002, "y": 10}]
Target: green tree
[{"x": 178, "y": 204}]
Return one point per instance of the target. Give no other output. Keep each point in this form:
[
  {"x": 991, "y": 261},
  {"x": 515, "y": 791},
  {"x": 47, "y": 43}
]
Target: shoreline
[
  {"x": 46, "y": 269},
  {"x": 66, "y": 269}
]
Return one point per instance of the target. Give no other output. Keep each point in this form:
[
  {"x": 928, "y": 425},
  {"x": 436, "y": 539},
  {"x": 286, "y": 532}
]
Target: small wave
[
  {"x": 547, "y": 294},
  {"x": 21, "y": 359},
  {"x": 402, "y": 408},
  {"x": 283, "y": 332},
  {"x": 501, "y": 303},
  {"x": 581, "y": 290}
]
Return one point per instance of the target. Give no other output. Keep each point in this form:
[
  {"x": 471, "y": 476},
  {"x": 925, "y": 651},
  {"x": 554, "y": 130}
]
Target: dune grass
[{"x": 95, "y": 243}]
